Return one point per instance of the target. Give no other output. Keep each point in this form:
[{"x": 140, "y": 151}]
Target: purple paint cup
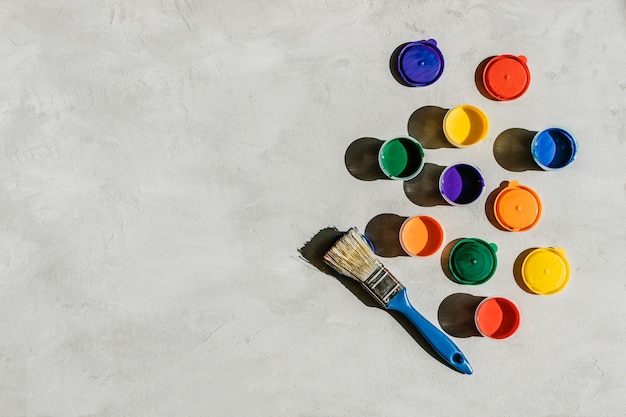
[{"x": 461, "y": 184}]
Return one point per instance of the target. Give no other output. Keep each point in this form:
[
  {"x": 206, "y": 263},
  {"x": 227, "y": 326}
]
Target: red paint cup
[
  {"x": 497, "y": 318},
  {"x": 506, "y": 77}
]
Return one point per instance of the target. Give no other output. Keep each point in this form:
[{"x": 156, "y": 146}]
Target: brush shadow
[
  {"x": 313, "y": 252},
  {"x": 456, "y": 315},
  {"x": 489, "y": 206},
  {"x": 445, "y": 260},
  {"x": 478, "y": 78},
  {"x": 423, "y": 190},
  {"x": 511, "y": 150},
  {"x": 426, "y": 125},
  {"x": 393, "y": 65},
  {"x": 517, "y": 270},
  {"x": 361, "y": 159},
  {"x": 383, "y": 231}
]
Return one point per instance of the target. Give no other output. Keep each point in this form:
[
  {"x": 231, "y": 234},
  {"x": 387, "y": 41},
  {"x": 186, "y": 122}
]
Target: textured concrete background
[{"x": 161, "y": 163}]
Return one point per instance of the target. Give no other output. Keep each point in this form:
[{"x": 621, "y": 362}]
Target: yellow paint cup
[
  {"x": 546, "y": 271},
  {"x": 465, "y": 126}
]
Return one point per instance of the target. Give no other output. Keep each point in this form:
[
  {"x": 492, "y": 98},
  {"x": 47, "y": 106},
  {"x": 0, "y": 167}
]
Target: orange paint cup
[
  {"x": 497, "y": 318},
  {"x": 517, "y": 207},
  {"x": 421, "y": 236}
]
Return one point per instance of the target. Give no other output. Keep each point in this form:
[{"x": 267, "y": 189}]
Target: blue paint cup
[
  {"x": 420, "y": 63},
  {"x": 553, "y": 148}
]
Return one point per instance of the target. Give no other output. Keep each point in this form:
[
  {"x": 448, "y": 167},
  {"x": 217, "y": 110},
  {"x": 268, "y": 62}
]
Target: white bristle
[{"x": 352, "y": 256}]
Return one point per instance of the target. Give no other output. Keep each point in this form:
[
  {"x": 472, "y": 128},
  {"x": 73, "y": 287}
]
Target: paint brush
[{"x": 352, "y": 256}]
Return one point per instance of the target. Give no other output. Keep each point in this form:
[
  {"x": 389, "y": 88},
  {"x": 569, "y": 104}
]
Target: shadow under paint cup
[
  {"x": 421, "y": 236},
  {"x": 461, "y": 184},
  {"x": 465, "y": 126},
  {"x": 401, "y": 158},
  {"x": 553, "y": 148},
  {"x": 497, "y": 318}
]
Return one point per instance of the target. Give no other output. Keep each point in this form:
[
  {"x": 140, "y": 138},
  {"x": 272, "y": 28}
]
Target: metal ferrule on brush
[{"x": 382, "y": 285}]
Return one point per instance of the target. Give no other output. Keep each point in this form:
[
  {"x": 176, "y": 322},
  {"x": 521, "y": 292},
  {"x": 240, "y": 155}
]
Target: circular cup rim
[
  {"x": 439, "y": 227},
  {"x": 478, "y": 110},
  {"x": 445, "y": 197},
  {"x": 512, "y": 187},
  {"x": 486, "y": 299},
  {"x": 491, "y": 93},
  {"x": 419, "y": 169},
  {"x": 567, "y": 271},
  {"x": 493, "y": 253},
  {"x": 409, "y": 45},
  {"x": 572, "y": 142}
]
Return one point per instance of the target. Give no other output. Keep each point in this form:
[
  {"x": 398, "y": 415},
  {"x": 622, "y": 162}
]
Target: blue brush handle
[{"x": 437, "y": 339}]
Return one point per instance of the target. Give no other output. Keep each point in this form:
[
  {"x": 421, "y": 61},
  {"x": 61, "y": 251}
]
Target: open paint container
[
  {"x": 465, "y": 126},
  {"x": 421, "y": 236},
  {"x": 401, "y": 158},
  {"x": 461, "y": 184},
  {"x": 497, "y": 318},
  {"x": 553, "y": 148}
]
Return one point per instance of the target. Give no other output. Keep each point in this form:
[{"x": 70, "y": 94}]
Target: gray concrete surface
[{"x": 162, "y": 162}]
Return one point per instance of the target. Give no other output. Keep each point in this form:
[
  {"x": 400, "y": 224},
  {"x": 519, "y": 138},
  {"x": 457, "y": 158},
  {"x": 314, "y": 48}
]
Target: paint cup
[
  {"x": 517, "y": 208},
  {"x": 506, "y": 77},
  {"x": 420, "y": 63},
  {"x": 465, "y": 126},
  {"x": 421, "y": 236},
  {"x": 401, "y": 158},
  {"x": 473, "y": 261},
  {"x": 497, "y": 317},
  {"x": 461, "y": 184},
  {"x": 546, "y": 271},
  {"x": 553, "y": 148}
]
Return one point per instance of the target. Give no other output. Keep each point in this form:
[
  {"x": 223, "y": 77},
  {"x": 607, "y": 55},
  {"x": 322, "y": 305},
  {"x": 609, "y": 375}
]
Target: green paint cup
[
  {"x": 473, "y": 261},
  {"x": 401, "y": 158}
]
